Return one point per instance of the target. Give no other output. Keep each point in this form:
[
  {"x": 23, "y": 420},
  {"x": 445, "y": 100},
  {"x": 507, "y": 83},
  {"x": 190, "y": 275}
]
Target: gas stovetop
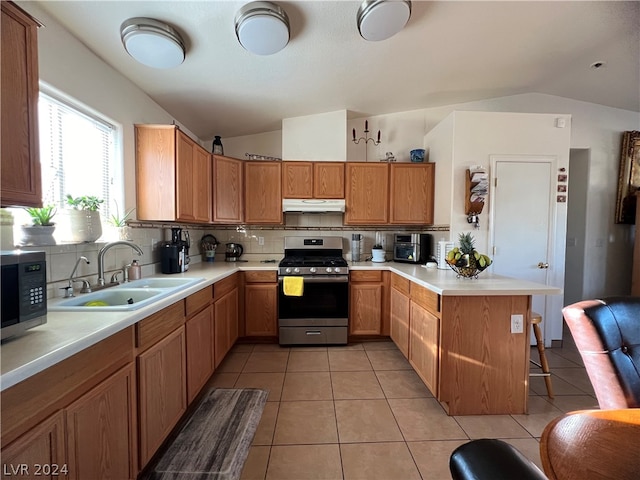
[{"x": 313, "y": 256}]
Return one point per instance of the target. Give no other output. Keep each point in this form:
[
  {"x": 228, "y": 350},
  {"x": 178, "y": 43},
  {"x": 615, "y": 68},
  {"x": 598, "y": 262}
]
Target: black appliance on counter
[
  {"x": 412, "y": 247},
  {"x": 321, "y": 314},
  {"x": 24, "y": 291},
  {"x": 174, "y": 256}
]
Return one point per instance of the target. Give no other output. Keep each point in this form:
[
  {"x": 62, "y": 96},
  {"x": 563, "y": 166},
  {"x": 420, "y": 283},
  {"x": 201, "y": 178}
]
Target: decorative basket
[{"x": 470, "y": 271}]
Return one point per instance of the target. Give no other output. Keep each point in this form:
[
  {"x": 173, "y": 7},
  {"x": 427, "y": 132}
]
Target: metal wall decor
[{"x": 628, "y": 178}]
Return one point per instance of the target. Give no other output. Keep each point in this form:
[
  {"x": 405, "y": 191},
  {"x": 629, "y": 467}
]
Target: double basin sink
[{"x": 124, "y": 297}]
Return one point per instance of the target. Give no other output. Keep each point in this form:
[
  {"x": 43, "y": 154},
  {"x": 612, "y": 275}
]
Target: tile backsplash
[{"x": 259, "y": 242}]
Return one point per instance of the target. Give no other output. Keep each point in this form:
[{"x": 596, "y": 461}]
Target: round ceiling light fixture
[
  {"x": 382, "y": 19},
  {"x": 152, "y": 43},
  {"x": 262, "y": 28}
]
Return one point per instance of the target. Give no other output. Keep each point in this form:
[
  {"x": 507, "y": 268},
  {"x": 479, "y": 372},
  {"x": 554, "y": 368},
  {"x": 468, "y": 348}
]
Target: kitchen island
[{"x": 459, "y": 330}]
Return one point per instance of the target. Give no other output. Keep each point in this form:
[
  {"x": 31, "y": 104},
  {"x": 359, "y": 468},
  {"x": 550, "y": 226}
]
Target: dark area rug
[{"x": 215, "y": 440}]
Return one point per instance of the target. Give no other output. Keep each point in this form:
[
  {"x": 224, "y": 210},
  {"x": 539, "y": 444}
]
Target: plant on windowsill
[
  {"x": 40, "y": 232},
  {"x": 84, "y": 223},
  {"x": 120, "y": 223}
]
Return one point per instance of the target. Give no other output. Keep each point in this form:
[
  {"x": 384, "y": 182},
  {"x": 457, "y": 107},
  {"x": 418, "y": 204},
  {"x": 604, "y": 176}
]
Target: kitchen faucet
[
  {"x": 101, "y": 254},
  {"x": 68, "y": 290}
]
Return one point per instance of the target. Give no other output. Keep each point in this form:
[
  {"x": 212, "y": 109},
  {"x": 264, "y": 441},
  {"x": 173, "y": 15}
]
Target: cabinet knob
[{"x": 543, "y": 265}]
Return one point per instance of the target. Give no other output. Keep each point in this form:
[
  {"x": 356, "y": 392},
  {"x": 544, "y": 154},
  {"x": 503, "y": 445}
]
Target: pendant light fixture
[
  {"x": 262, "y": 28},
  {"x": 152, "y": 43},
  {"x": 382, "y": 19}
]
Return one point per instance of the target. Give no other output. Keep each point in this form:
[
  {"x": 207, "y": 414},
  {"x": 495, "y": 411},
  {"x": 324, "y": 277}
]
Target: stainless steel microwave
[
  {"x": 24, "y": 291},
  {"x": 412, "y": 247}
]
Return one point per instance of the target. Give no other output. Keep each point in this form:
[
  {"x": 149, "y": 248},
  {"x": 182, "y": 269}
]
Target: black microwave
[{"x": 24, "y": 291}]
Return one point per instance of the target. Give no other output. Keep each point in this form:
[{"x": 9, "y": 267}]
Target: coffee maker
[{"x": 175, "y": 253}]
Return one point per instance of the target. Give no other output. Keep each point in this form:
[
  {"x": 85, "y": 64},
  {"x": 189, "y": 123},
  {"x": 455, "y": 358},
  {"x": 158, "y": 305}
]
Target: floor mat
[{"x": 214, "y": 442}]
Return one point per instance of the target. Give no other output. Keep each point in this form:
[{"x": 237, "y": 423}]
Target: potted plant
[
  {"x": 377, "y": 253},
  {"x": 84, "y": 223},
  {"x": 119, "y": 222},
  {"x": 40, "y": 232}
]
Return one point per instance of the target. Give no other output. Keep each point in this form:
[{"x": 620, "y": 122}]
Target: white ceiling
[{"x": 449, "y": 52}]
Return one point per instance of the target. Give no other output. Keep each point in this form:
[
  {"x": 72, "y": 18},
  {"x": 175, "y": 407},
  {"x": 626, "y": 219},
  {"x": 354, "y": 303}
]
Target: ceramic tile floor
[{"x": 360, "y": 412}]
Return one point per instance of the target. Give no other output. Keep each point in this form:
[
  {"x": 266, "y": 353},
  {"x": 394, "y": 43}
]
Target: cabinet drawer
[
  {"x": 159, "y": 325},
  {"x": 400, "y": 283},
  {"x": 224, "y": 286},
  {"x": 261, "y": 277},
  {"x": 425, "y": 298},
  {"x": 198, "y": 300},
  {"x": 366, "y": 275}
]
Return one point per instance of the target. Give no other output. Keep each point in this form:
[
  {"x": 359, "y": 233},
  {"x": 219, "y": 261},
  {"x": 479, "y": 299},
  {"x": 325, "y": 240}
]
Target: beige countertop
[{"x": 67, "y": 333}]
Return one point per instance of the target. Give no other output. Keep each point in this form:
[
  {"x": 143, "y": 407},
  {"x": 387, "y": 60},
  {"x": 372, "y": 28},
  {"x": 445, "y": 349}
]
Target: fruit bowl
[{"x": 471, "y": 271}]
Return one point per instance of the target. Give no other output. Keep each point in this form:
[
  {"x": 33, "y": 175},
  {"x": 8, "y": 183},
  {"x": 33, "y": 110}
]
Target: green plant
[
  {"x": 42, "y": 216},
  {"x": 119, "y": 221},
  {"x": 85, "y": 202}
]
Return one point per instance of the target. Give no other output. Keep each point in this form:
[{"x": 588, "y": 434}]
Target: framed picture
[{"x": 628, "y": 178}]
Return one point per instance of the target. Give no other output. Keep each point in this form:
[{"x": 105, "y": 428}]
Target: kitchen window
[{"x": 79, "y": 153}]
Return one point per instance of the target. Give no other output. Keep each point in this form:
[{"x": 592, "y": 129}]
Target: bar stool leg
[{"x": 543, "y": 359}]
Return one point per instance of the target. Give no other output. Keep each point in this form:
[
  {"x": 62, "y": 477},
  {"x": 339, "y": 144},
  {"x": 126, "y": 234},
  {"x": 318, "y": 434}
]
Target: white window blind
[{"x": 77, "y": 152}]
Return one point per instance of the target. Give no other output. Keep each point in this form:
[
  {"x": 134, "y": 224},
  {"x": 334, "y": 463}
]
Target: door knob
[{"x": 543, "y": 265}]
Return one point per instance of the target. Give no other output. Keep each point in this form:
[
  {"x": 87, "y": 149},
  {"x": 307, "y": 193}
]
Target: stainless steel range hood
[{"x": 312, "y": 205}]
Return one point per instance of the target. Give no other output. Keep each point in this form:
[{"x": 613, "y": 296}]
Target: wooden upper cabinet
[
  {"x": 19, "y": 158},
  {"x": 297, "y": 179},
  {"x": 173, "y": 176},
  {"x": 227, "y": 190},
  {"x": 263, "y": 192},
  {"x": 366, "y": 193},
  {"x": 411, "y": 193},
  {"x": 328, "y": 180},
  {"x": 313, "y": 179}
]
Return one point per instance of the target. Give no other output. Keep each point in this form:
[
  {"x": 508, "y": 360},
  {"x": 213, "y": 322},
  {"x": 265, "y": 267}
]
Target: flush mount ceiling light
[
  {"x": 152, "y": 43},
  {"x": 262, "y": 28},
  {"x": 381, "y": 19}
]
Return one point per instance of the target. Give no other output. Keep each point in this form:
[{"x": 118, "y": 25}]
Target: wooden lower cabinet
[
  {"x": 162, "y": 391},
  {"x": 261, "y": 309},
  {"x": 225, "y": 324},
  {"x": 101, "y": 430},
  {"x": 424, "y": 348},
  {"x": 42, "y": 445},
  {"x": 400, "y": 311},
  {"x": 200, "y": 351},
  {"x": 368, "y": 302}
]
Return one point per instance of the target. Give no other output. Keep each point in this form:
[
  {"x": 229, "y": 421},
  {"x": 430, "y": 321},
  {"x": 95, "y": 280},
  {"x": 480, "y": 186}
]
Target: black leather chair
[{"x": 491, "y": 459}]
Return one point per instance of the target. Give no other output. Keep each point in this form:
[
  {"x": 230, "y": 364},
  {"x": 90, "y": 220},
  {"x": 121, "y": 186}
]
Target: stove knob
[
  {"x": 313, "y": 270},
  {"x": 287, "y": 270},
  {"x": 337, "y": 269},
  {"x": 328, "y": 269},
  {"x": 296, "y": 270}
]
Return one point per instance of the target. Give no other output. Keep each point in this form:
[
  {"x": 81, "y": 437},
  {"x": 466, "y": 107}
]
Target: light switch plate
[{"x": 517, "y": 323}]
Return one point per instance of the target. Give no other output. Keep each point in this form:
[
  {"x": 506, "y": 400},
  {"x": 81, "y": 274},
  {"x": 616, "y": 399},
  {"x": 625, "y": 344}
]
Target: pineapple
[
  {"x": 466, "y": 243},
  {"x": 467, "y": 261}
]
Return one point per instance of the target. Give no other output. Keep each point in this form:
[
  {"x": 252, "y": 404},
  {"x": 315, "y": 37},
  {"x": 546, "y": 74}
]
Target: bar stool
[{"x": 536, "y": 319}]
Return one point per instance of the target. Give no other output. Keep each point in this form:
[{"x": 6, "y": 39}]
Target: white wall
[
  {"x": 268, "y": 144},
  {"x": 315, "y": 137}
]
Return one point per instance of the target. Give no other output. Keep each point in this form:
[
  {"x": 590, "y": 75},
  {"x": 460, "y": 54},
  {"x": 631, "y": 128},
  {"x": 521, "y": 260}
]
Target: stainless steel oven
[{"x": 321, "y": 314}]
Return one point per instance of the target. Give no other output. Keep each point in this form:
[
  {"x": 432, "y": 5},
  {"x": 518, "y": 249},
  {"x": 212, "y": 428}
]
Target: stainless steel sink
[{"x": 128, "y": 296}]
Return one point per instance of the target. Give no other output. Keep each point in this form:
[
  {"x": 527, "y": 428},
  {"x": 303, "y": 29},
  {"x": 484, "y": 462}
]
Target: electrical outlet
[
  {"x": 517, "y": 323},
  {"x": 261, "y": 241}
]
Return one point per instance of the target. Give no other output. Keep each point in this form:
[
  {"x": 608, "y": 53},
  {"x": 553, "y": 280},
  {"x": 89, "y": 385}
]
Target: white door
[{"x": 522, "y": 220}]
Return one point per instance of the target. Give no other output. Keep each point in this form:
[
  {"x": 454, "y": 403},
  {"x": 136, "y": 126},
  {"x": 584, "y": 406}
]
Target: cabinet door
[
  {"x": 101, "y": 430},
  {"x": 200, "y": 351},
  {"x": 261, "y": 309},
  {"x": 42, "y": 445},
  {"x": 227, "y": 190},
  {"x": 297, "y": 180},
  {"x": 162, "y": 390},
  {"x": 263, "y": 192},
  {"x": 424, "y": 346},
  {"x": 365, "y": 309},
  {"x": 367, "y": 193},
  {"x": 193, "y": 177},
  {"x": 328, "y": 180},
  {"x": 400, "y": 312},
  {"x": 411, "y": 193},
  {"x": 20, "y": 162},
  {"x": 225, "y": 324}
]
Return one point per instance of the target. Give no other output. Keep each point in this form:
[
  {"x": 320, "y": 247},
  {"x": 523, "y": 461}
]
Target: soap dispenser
[{"x": 135, "y": 271}]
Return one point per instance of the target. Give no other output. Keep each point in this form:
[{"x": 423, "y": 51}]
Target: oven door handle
[{"x": 323, "y": 279}]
